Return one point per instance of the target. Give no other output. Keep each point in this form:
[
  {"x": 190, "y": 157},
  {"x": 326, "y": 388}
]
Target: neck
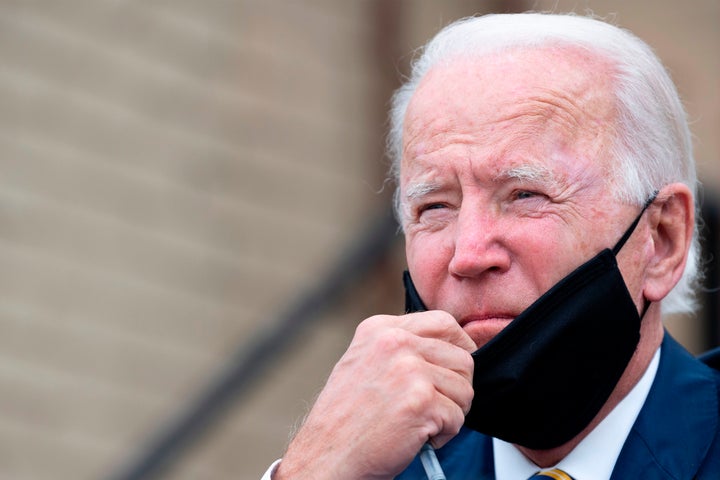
[{"x": 651, "y": 334}]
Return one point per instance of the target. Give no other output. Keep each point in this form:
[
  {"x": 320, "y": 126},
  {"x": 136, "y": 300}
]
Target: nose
[{"x": 478, "y": 245}]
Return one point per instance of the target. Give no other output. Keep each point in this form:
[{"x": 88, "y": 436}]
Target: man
[{"x": 546, "y": 192}]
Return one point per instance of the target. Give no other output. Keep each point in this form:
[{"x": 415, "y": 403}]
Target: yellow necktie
[{"x": 555, "y": 474}]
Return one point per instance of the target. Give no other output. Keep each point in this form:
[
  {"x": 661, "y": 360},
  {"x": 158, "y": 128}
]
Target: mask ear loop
[
  {"x": 626, "y": 236},
  {"x": 629, "y": 231}
]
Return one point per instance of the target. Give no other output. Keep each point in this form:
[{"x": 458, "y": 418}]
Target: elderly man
[{"x": 546, "y": 192}]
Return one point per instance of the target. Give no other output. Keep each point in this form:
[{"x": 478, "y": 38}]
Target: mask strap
[
  {"x": 630, "y": 230},
  {"x": 626, "y": 236}
]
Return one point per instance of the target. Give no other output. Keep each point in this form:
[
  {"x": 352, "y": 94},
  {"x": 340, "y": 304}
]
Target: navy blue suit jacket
[{"x": 676, "y": 435}]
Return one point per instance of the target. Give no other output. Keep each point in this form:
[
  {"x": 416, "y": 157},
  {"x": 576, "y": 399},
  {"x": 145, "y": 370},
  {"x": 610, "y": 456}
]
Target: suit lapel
[
  {"x": 469, "y": 456},
  {"x": 674, "y": 430}
]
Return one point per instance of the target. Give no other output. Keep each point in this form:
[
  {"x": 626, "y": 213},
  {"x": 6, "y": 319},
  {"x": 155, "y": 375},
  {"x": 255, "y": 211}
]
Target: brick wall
[{"x": 172, "y": 174}]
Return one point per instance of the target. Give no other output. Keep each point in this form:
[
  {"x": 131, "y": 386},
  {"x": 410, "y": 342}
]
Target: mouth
[
  {"x": 482, "y": 328},
  {"x": 489, "y": 318}
]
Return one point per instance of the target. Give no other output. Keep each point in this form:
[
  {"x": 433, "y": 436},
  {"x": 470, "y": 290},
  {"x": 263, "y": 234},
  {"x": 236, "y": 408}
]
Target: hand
[{"x": 402, "y": 382}]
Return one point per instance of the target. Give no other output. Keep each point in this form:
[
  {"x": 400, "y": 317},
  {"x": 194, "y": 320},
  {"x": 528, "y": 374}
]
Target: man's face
[{"x": 505, "y": 181}]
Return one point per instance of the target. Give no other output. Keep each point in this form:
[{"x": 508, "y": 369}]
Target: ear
[{"x": 672, "y": 223}]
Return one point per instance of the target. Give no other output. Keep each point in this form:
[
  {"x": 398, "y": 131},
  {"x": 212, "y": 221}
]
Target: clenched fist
[{"x": 403, "y": 381}]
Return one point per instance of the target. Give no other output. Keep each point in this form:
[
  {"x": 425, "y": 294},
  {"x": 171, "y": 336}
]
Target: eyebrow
[
  {"x": 523, "y": 172},
  {"x": 527, "y": 172},
  {"x": 418, "y": 190}
]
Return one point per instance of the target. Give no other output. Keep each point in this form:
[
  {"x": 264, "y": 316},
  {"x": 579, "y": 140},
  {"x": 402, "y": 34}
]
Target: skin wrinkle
[
  {"x": 559, "y": 110},
  {"x": 532, "y": 175},
  {"x": 421, "y": 149},
  {"x": 564, "y": 186},
  {"x": 589, "y": 103},
  {"x": 417, "y": 191}
]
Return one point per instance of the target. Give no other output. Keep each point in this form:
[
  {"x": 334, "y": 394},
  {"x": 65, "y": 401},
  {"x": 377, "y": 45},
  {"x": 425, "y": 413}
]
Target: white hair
[{"x": 652, "y": 145}]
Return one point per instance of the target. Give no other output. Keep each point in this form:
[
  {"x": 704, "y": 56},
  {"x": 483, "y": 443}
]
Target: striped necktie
[{"x": 555, "y": 474}]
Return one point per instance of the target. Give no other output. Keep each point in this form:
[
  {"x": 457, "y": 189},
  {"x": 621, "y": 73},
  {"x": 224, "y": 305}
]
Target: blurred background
[{"x": 194, "y": 215}]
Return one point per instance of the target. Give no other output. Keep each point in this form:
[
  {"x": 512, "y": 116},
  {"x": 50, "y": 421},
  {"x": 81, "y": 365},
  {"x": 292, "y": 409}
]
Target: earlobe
[{"x": 672, "y": 223}]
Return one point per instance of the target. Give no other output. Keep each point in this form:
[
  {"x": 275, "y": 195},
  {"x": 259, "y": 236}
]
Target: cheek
[
  {"x": 547, "y": 256},
  {"x": 428, "y": 257}
]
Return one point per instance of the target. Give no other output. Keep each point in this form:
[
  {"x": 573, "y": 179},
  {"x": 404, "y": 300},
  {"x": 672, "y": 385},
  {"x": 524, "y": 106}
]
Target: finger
[
  {"x": 446, "y": 355},
  {"x": 441, "y": 368},
  {"x": 445, "y": 421},
  {"x": 438, "y": 324},
  {"x": 387, "y": 336},
  {"x": 453, "y": 386}
]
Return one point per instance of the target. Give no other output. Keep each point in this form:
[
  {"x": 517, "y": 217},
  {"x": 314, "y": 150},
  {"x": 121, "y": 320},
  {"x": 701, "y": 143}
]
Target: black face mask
[{"x": 544, "y": 377}]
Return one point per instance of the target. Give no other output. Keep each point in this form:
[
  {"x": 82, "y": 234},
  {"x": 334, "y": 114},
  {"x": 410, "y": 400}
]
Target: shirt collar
[{"x": 583, "y": 461}]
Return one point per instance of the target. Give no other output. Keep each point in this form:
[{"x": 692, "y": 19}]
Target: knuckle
[
  {"x": 368, "y": 325},
  {"x": 410, "y": 367},
  {"x": 371, "y": 326},
  {"x": 446, "y": 321},
  {"x": 449, "y": 329},
  {"x": 420, "y": 398},
  {"x": 393, "y": 340}
]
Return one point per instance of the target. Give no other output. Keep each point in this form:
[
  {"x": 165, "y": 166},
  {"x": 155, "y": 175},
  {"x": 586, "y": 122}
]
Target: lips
[
  {"x": 482, "y": 328},
  {"x": 491, "y": 317}
]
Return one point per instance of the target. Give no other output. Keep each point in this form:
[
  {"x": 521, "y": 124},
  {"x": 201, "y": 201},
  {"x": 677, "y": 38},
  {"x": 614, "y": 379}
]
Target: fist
[{"x": 403, "y": 381}]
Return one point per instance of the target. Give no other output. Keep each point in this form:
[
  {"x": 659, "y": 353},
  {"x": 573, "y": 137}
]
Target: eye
[
  {"x": 528, "y": 202},
  {"x": 525, "y": 194},
  {"x": 432, "y": 206},
  {"x": 431, "y": 212}
]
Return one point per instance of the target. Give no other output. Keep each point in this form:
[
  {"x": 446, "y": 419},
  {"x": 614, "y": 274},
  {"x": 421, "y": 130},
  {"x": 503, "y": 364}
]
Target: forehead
[{"x": 521, "y": 98}]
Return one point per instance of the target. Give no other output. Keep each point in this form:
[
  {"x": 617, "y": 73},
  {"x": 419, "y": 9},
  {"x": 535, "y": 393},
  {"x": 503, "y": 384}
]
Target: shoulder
[
  {"x": 680, "y": 369},
  {"x": 711, "y": 359},
  {"x": 678, "y": 429},
  {"x": 711, "y": 467}
]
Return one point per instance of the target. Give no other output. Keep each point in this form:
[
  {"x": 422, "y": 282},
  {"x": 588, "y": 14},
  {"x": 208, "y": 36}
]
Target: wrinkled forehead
[{"x": 531, "y": 89}]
